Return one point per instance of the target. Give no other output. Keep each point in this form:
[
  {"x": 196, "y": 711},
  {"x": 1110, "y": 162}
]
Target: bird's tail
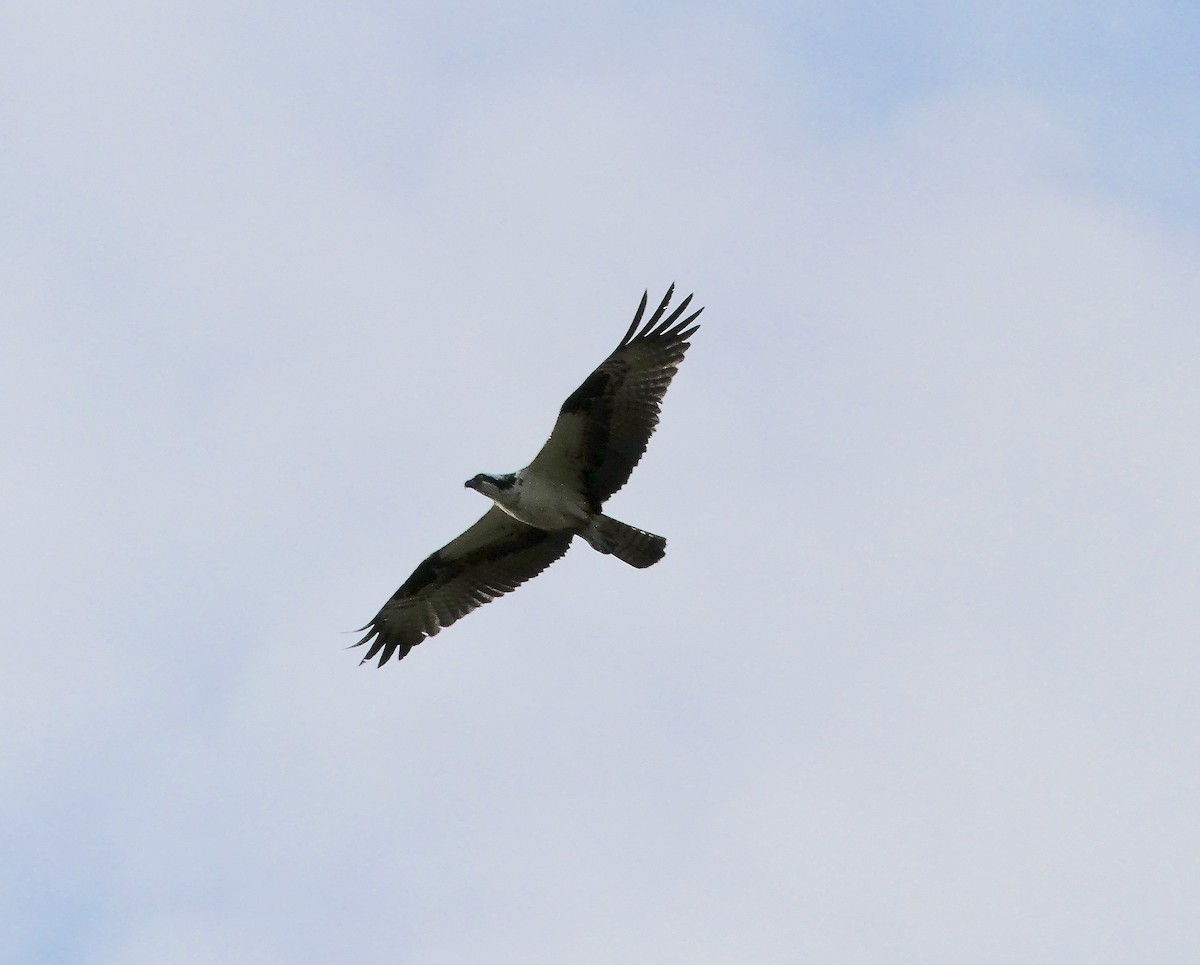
[{"x": 627, "y": 543}]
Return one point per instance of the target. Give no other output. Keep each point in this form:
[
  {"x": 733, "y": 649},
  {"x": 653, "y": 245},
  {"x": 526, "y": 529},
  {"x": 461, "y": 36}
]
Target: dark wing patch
[
  {"x": 587, "y": 394},
  {"x": 492, "y": 558},
  {"x": 605, "y": 425}
]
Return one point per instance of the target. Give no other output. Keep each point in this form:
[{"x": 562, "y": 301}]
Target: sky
[{"x": 917, "y": 680}]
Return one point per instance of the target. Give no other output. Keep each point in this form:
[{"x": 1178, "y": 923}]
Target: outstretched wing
[
  {"x": 605, "y": 425},
  {"x": 493, "y": 557}
]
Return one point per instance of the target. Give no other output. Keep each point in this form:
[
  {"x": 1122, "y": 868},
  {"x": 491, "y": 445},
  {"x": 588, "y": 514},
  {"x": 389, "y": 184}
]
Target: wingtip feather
[
  {"x": 662, "y": 307},
  {"x": 637, "y": 318},
  {"x": 673, "y": 317},
  {"x": 681, "y": 330}
]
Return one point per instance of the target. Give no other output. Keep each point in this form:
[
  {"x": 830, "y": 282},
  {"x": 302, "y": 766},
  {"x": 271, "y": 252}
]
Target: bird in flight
[{"x": 601, "y": 434}]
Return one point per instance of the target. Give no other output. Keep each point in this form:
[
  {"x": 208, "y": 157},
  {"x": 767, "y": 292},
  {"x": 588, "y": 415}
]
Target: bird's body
[
  {"x": 535, "y": 499},
  {"x": 601, "y": 433}
]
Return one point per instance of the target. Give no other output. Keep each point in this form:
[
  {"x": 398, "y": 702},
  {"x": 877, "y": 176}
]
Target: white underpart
[{"x": 541, "y": 502}]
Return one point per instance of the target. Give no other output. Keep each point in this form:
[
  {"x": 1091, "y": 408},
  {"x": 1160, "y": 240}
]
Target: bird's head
[{"x": 490, "y": 485}]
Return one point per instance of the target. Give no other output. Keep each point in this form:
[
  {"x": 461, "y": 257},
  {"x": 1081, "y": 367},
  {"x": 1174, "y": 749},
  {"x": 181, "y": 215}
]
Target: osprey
[{"x": 601, "y": 433}]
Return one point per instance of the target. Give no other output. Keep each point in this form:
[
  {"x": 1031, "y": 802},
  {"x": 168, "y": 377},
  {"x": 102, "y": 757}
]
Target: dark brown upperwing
[
  {"x": 493, "y": 557},
  {"x": 604, "y": 426}
]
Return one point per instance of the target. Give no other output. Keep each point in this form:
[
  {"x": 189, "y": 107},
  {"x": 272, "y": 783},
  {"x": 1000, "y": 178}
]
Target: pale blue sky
[{"x": 918, "y": 677}]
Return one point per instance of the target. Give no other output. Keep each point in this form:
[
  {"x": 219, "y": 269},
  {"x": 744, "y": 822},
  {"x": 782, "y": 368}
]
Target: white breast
[{"x": 543, "y": 503}]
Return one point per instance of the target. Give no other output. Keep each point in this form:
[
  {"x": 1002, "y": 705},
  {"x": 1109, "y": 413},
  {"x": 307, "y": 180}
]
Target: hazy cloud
[{"x": 917, "y": 677}]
